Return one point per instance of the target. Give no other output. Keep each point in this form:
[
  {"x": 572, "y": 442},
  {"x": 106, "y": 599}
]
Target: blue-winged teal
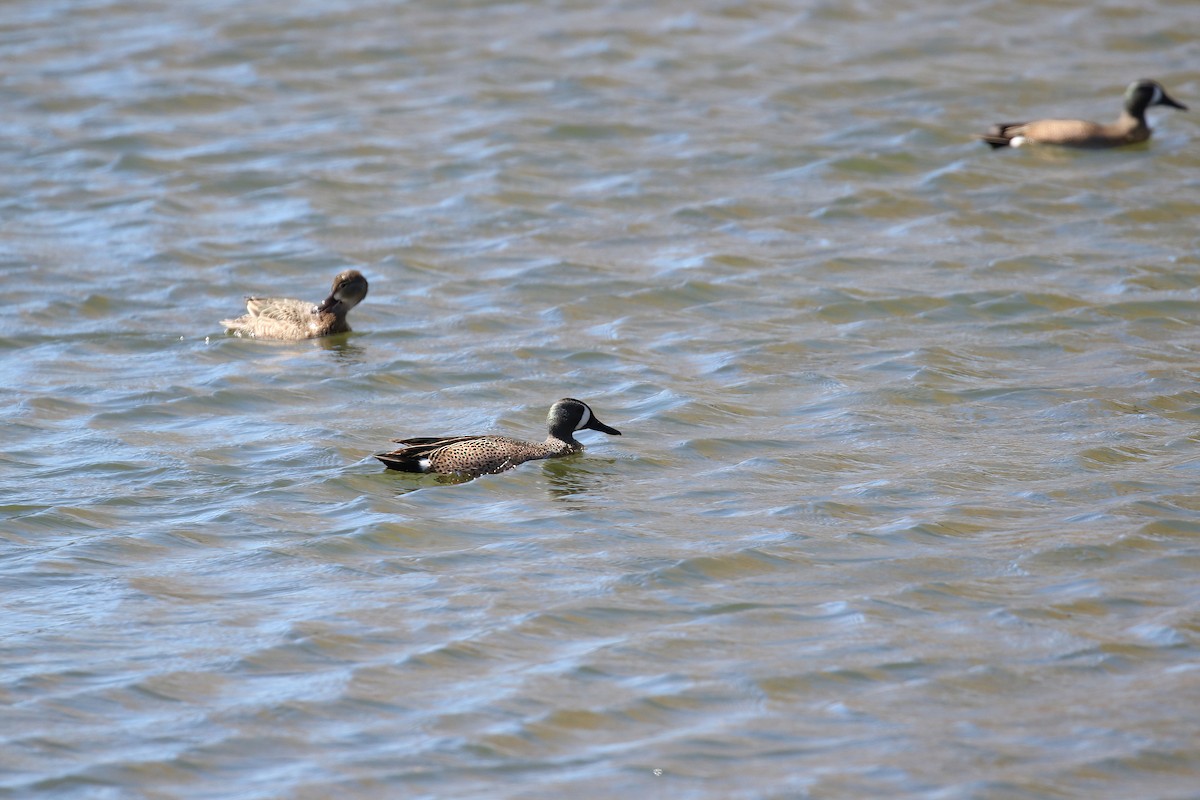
[
  {"x": 1129, "y": 128},
  {"x": 283, "y": 318},
  {"x": 485, "y": 455}
]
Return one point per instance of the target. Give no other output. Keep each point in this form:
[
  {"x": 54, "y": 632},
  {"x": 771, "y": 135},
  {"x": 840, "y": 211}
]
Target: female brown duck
[{"x": 285, "y": 318}]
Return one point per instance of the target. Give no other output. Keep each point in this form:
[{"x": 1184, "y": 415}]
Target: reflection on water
[
  {"x": 344, "y": 350},
  {"x": 904, "y": 502},
  {"x": 572, "y": 477},
  {"x": 417, "y": 481}
]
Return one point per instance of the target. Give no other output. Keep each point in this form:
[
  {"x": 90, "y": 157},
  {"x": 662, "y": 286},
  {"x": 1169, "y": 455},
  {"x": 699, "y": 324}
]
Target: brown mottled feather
[
  {"x": 484, "y": 455},
  {"x": 1129, "y": 128},
  {"x": 1070, "y": 132},
  {"x": 285, "y": 318},
  {"x": 472, "y": 455}
]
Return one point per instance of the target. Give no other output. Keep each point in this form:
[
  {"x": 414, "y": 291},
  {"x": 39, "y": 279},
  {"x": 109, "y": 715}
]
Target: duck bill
[
  {"x": 326, "y": 305},
  {"x": 1167, "y": 100},
  {"x": 596, "y": 425}
]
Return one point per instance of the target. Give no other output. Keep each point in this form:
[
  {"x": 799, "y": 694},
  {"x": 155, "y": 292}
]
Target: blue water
[{"x": 905, "y": 500}]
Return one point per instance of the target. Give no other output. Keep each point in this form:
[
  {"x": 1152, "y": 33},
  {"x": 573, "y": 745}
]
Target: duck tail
[{"x": 400, "y": 460}]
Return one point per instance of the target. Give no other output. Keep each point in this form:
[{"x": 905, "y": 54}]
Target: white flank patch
[
  {"x": 1017, "y": 141},
  {"x": 423, "y": 463},
  {"x": 587, "y": 417}
]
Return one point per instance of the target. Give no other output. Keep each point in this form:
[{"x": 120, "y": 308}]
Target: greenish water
[{"x": 905, "y": 503}]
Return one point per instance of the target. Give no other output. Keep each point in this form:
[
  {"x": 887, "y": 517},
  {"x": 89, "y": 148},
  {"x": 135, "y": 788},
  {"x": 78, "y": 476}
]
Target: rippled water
[{"x": 906, "y": 502}]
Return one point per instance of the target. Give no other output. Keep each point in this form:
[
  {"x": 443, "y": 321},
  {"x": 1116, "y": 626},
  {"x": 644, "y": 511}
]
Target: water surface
[{"x": 905, "y": 504}]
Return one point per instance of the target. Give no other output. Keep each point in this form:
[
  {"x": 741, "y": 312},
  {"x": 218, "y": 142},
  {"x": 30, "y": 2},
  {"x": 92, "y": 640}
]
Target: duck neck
[
  {"x": 1131, "y": 124},
  {"x": 560, "y": 444}
]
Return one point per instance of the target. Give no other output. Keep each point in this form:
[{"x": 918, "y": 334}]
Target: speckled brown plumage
[
  {"x": 1130, "y": 127},
  {"x": 285, "y": 318},
  {"x": 487, "y": 454}
]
